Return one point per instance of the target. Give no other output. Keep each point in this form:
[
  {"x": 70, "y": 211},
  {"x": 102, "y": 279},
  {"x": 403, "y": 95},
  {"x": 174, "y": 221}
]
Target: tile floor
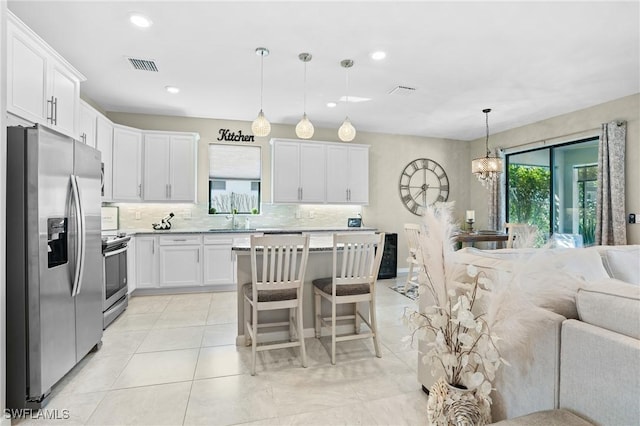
[{"x": 172, "y": 360}]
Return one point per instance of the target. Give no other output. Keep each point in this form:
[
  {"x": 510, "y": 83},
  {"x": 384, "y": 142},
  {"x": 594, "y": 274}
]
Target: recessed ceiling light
[
  {"x": 172, "y": 89},
  {"x": 378, "y": 56},
  {"x": 140, "y": 20},
  {"x": 331, "y": 104},
  {"x": 354, "y": 99}
]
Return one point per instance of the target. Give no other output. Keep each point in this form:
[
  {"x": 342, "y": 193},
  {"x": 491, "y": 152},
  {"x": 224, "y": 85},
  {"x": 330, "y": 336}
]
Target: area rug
[{"x": 411, "y": 293}]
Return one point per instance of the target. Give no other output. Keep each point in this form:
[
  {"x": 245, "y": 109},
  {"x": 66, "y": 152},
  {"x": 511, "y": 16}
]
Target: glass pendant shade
[
  {"x": 304, "y": 128},
  {"x": 261, "y": 126},
  {"x": 347, "y": 132},
  {"x": 487, "y": 169}
]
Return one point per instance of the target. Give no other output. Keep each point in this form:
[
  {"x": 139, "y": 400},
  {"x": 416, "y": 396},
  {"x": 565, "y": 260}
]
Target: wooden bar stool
[
  {"x": 278, "y": 264},
  {"x": 356, "y": 262}
]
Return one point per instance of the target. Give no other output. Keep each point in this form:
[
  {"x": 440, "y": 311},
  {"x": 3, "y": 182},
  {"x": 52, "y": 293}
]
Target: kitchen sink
[{"x": 227, "y": 230}]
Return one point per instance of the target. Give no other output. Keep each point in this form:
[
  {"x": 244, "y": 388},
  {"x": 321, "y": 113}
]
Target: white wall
[
  {"x": 3, "y": 198},
  {"x": 569, "y": 127}
]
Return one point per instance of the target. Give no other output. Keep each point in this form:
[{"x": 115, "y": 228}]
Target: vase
[{"x": 448, "y": 405}]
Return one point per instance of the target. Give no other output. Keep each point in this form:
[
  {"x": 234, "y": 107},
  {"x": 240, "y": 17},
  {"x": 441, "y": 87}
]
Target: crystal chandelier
[
  {"x": 304, "y": 128},
  {"x": 347, "y": 132},
  {"x": 261, "y": 126},
  {"x": 487, "y": 169}
]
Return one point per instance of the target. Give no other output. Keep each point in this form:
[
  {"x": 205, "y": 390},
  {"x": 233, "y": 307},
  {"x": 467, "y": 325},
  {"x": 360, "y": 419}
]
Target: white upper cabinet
[
  {"x": 348, "y": 174},
  {"x": 319, "y": 172},
  {"x": 298, "y": 172},
  {"x": 170, "y": 166},
  {"x": 42, "y": 87},
  {"x": 127, "y": 164},
  {"x": 87, "y": 124},
  {"x": 104, "y": 144}
]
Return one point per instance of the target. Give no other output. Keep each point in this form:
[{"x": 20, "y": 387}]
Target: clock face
[{"x": 423, "y": 182}]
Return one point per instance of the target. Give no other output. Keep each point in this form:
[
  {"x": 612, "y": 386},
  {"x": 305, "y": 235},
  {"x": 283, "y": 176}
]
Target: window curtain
[
  {"x": 495, "y": 198},
  {"x": 611, "y": 228}
]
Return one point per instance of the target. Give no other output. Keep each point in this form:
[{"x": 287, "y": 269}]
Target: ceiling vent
[
  {"x": 143, "y": 64},
  {"x": 402, "y": 90}
]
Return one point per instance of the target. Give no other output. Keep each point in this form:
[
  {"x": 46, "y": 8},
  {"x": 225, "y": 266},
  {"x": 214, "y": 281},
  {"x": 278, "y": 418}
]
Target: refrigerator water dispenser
[{"x": 57, "y": 252}]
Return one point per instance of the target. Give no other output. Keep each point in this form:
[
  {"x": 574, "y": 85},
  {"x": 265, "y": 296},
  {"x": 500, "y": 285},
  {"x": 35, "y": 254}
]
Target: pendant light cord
[
  {"x": 486, "y": 113},
  {"x": 347, "y": 96},
  {"x": 304, "y": 97},
  {"x": 261, "y": 77}
]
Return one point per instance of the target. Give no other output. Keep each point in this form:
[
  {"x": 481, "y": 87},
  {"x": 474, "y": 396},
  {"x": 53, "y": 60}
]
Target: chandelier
[{"x": 487, "y": 169}]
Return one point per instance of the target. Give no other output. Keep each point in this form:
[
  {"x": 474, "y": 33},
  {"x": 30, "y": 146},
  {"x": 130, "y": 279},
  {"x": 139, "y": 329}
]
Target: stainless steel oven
[{"x": 115, "y": 300}]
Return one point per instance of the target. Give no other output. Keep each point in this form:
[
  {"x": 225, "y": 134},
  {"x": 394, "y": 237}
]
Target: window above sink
[{"x": 234, "y": 179}]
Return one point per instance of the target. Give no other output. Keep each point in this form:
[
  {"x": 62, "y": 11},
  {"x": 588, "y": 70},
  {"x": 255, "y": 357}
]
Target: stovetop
[{"x": 113, "y": 242}]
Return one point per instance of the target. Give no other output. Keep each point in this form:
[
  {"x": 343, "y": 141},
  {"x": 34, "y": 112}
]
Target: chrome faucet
[{"x": 234, "y": 212}]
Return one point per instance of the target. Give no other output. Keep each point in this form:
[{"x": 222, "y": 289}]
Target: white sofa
[{"x": 583, "y": 352}]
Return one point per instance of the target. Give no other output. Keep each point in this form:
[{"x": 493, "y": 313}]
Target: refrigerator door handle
[{"x": 79, "y": 267}]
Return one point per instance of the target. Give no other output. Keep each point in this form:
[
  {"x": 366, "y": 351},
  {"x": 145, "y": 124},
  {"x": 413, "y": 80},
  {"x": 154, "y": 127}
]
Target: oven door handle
[{"x": 113, "y": 253}]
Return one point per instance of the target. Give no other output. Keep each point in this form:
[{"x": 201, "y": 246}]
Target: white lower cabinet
[
  {"x": 146, "y": 262},
  {"x": 175, "y": 261},
  {"x": 219, "y": 267},
  {"x": 180, "y": 266}
]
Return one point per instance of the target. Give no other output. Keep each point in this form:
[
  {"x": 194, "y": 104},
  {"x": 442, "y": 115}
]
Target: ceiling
[{"x": 527, "y": 60}]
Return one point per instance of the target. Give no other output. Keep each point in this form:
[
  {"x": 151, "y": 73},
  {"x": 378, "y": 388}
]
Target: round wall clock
[{"x": 423, "y": 182}]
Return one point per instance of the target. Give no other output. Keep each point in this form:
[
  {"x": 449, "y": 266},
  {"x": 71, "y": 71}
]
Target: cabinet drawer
[
  {"x": 180, "y": 240},
  {"x": 218, "y": 239}
]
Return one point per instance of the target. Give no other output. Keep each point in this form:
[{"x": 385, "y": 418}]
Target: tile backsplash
[{"x": 196, "y": 216}]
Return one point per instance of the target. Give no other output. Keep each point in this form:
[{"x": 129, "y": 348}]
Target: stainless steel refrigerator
[{"x": 54, "y": 260}]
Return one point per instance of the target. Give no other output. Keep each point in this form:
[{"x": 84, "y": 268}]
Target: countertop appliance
[
  {"x": 115, "y": 290},
  {"x": 54, "y": 265}
]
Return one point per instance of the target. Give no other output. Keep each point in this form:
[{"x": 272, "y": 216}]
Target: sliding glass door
[{"x": 554, "y": 188}]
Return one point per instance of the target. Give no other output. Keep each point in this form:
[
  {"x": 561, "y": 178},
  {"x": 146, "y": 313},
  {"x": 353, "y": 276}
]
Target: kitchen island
[{"x": 319, "y": 265}]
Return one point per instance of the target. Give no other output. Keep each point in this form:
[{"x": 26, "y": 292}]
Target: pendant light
[
  {"x": 347, "y": 132},
  {"x": 304, "y": 129},
  {"x": 261, "y": 126},
  {"x": 487, "y": 169}
]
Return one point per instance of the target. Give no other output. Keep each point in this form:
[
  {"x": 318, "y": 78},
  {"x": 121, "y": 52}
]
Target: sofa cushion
[
  {"x": 622, "y": 262},
  {"x": 611, "y": 304},
  {"x": 558, "y": 417}
]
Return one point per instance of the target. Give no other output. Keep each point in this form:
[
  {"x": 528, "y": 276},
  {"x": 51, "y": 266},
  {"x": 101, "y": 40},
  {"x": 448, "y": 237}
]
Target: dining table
[{"x": 468, "y": 239}]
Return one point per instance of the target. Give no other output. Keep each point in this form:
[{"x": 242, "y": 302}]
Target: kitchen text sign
[{"x": 229, "y": 136}]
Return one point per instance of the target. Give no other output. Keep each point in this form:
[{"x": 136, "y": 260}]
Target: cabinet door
[
  {"x": 285, "y": 172},
  {"x": 180, "y": 266},
  {"x": 337, "y": 174},
  {"x": 358, "y": 175},
  {"x": 65, "y": 90},
  {"x": 182, "y": 172},
  {"x": 312, "y": 173},
  {"x": 156, "y": 167},
  {"x": 87, "y": 124},
  {"x": 104, "y": 144},
  {"x": 146, "y": 263},
  {"x": 127, "y": 161},
  {"x": 218, "y": 263},
  {"x": 26, "y": 77}
]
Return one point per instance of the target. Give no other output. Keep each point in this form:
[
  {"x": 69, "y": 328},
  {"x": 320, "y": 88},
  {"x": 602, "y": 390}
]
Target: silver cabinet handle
[
  {"x": 55, "y": 105},
  {"x": 169, "y": 190},
  {"x": 198, "y": 253},
  {"x": 346, "y": 194},
  {"x": 179, "y": 239},
  {"x": 50, "y": 117},
  {"x": 166, "y": 190},
  {"x": 139, "y": 190},
  {"x": 153, "y": 246}
]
